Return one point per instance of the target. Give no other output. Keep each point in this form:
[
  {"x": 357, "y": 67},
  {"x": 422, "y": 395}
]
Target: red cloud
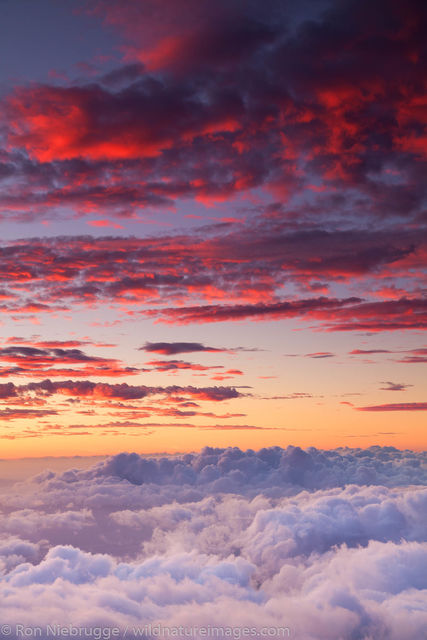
[
  {"x": 123, "y": 391},
  {"x": 53, "y": 344},
  {"x": 57, "y": 123},
  {"x": 416, "y": 356},
  {"x": 320, "y": 354},
  {"x": 246, "y": 269},
  {"x": 221, "y": 109},
  {"x": 267, "y": 311},
  {"x": 104, "y": 223},
  {"x": 234, "y": 108},
  {"x": 176, "y": 365},
  {"x": 357, "y": 352},
  {"x": 37, "y": 362}
]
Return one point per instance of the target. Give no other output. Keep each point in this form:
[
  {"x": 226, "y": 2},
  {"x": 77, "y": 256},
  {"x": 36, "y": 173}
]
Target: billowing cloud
[
  {"x": 223, "y": 93},
  {"x": 225, "y": 538}
]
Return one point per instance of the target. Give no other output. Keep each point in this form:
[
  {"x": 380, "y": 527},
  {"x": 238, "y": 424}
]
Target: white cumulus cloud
[{"x": 331, "y": 544}]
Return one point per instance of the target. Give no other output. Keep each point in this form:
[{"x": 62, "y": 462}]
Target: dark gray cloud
[
  {"x": 173, "y": 348},
  {"x": 395, "y": 386}
]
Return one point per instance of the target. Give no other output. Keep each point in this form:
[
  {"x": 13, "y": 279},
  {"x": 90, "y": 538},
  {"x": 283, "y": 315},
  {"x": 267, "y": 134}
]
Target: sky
[
  {"x": 213, "y": 223},
  {"x": 212, "y": 317}
]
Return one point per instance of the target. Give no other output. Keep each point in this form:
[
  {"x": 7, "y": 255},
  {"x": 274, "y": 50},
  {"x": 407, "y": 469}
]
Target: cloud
[
  {"x": 99, "y": 402},
  {"x": 327, "y": 543},
  {"x": 358, "y": 352},
  {"x": 24, "y": 414},
  {"x": 55, "y": 344},
  {"x": 121, "y": 391},
  {"x": 416, "y": 356},
  {"x": 210, "y": 109},
  {"x": 391, "y": 315},
  {"x": 320, "y": 354},
  {"x": 78, "y": 115},
  {"x": 173, "y": 348},
  {"x": 189, "y": 589},
  {"x": 14, "y": 551},
  {"x": 269, "y": 467},
  {"x": 268, "y": 311},
  {"x": 395, "y": 386},
  {"x": 176, "y": 365},
  {"x": 249, "y": 268},
  {"x": 37, "y": 362},
  {"x": 297, "y": 395},
  {"x": 222, "y": 93},
  {"x": 399, "y": 406}
]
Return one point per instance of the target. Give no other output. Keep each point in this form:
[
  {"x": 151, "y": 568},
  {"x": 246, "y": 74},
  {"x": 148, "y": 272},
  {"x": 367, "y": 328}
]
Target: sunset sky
[{"x": 214, "y": 225}]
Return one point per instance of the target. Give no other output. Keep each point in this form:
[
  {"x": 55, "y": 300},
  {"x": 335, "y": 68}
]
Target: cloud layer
[
  {"x": 273, "y": 274},
  {"x": 230, "y": 99},
  {"x": 306, "y": 119},
  {"x": 330, "y": 544}
]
